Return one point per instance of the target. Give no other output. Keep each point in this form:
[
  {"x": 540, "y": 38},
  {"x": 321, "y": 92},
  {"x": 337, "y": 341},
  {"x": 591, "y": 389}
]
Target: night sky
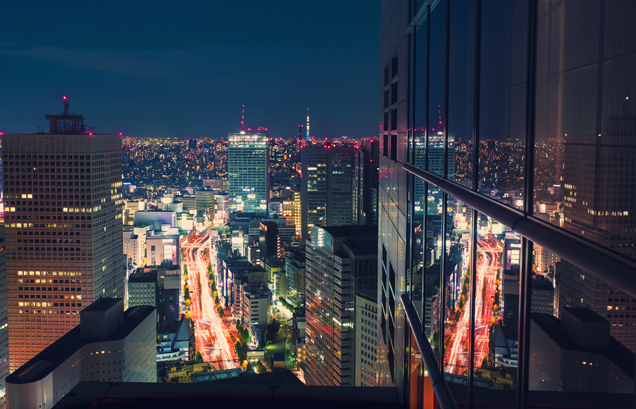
[{"x": 184, "y": 68}]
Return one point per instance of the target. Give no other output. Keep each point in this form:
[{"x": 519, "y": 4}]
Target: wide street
[
  {"x": 489, "y": 251},
  {"x": 211, "y": 333}
]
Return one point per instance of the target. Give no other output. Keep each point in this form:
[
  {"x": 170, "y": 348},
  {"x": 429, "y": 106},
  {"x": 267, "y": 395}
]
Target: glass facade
[
  {"x": 520, "y": 120},
  {"x": 248, "y": 172}
]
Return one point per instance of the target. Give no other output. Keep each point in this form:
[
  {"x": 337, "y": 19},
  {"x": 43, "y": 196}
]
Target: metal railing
[
  {"x": 443, "y": 395},
  {"x": 610, "y": 267}
]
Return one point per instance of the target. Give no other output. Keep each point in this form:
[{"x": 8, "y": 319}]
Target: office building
[
  {"x": 143, "y": 289},
  {"x": 365, "y": 184},
  {"x": 326, "y": 198},
  {"x": 248, "y": 172},
  {"x": 134, "y": 247},
  {"x": 366, "y": 330},
  {"x": 292, "y": 212},
  {"x": 269, "y": 240},
  {"x": 169, "y": 278},
  {"x": 108, "y": 345},
  {"x": 64, "y": 230},
  {"x": 295, "y": 276},
  {"x": 4, "y": 319},
  {"x": 340, "y": 261},
  {"x": 256, "y": 302},
  {"x": 506, "y": 131}
]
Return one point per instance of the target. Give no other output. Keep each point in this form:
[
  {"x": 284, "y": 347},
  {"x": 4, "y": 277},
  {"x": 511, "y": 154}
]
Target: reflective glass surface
[
  {"x": 502, "y": 100},
  {"x": 461, "y": 93},
  {"x": 456, "y": 315},
  {"x": 495, "y": 355},
  {"x": 437, "y": 92},
  {"x": 585, "y": 141},
  {"x": 581, "y": 330}
]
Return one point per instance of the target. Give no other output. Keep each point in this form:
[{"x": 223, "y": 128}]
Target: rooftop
[
  {"x": 58, "y": 352},
  {"x": 617, "y": 353},
  {"x": 270, "y": 390}
]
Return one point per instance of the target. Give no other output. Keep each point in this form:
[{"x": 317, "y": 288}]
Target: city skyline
[
  {"x": 187, "y": 71},
  {"x": 477, "y": 249}
]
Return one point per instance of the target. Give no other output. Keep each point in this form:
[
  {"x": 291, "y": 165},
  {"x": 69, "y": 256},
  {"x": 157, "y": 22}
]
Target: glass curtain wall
[{"x": 574, "y": 153}]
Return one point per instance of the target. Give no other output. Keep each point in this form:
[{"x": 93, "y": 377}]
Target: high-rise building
[
  {"x": 340, "y": 261},
  {"x": 366, "y": 329},
  {"x": 507, "y": 142},
  {"x": 295, "y": 272},
  {"x": 4, "y": 318},
  {"x": 365, "y": 184},
  {"x": 64, "y": 230},
  {"x": 108, "y": 345},
  {"x": 269, "y": 240},
  {"x": 248, "y": 171},
  {"x": 292, "y": 212},
  {"x": 326, "y": 198}
]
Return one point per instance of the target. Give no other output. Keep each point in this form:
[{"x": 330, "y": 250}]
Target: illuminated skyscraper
[
  {"x": 248, "y": 171},
  {"x": 307, "y": 123},
  {"x": 64, "y": 230},
  {"x": 326, "y": 198},
  {"x": 340, "y": 261}
]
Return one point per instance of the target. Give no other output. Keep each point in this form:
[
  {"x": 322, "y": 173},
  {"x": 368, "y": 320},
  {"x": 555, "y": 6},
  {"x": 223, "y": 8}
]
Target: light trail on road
[{"x": 206, "y": 320}]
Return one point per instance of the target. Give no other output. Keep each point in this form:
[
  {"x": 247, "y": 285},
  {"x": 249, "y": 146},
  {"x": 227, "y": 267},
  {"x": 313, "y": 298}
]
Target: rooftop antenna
[
  {"x": 307, "y": 124},
  {"x": 243, "y": 120},
  {"x": 66, "y": 124},
  {"x": 439, "y": 112}
]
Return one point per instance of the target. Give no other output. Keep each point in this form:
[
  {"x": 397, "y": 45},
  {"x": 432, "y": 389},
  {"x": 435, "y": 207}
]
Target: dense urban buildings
[
  {"x": 63, "y": 230},
  {"x": 108, "y": 345},
  {"x": 340, "y": 261},
  {"x": 478, "y": 252},
  {"x": 506, "y": 198}
]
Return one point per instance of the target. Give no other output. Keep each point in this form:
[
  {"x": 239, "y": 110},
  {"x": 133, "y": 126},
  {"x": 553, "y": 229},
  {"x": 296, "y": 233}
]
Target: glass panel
[
  {"x": 585, "y": 144},
  {"x": 437, "y": 93},
  {"x": 461, "y": 91},
  {"x": 421, "y": 394},
  {"x": 432, "y": 264},
  {"x": 502, "y": 129},
  {"x": 420, "y": 100},
  {"x": 417, "y": 240},
  {"x": 581, "y": 333},
  {"x": 496, "y": 309},
  {"x": 459, "y": 222},
  {"x": 410, "y": 142}
]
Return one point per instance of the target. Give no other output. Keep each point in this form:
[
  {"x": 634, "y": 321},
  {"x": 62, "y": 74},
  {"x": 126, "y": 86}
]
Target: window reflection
[
  {"x": 437, "y": 92},
  {"x": 575, "y": 347},
  {"x": 585, "y": 150},
  {"x": 461, "y": 92},
  {"x": 496, "y": 305},
  {"x": 502, "y": 100},
  {"x": 457, "y": 286},
  {"x": 432, "y": 249}
]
